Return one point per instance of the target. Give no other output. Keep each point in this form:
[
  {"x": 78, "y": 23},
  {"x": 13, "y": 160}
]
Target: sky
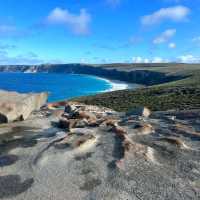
[{"x": 99, "y": 31}]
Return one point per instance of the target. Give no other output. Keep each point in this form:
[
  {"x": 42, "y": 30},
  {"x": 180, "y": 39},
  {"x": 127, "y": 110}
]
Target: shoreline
[{"x": 117, "y": 84}]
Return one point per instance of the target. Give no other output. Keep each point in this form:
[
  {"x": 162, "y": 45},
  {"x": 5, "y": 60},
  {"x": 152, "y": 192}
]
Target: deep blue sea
[{"x": 60, "y": 86}]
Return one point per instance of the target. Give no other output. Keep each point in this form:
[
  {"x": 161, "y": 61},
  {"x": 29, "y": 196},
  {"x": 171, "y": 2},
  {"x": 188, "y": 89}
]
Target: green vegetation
[{"x": 178, "y": 95}]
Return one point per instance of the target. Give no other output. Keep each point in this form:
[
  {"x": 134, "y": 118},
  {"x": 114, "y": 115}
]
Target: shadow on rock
[
  {"x": 118, "y": 152},
  {"x": 23, "y": 137},
  {"x": 11, "y": 185},
  {"x": 8, "y": 160}
]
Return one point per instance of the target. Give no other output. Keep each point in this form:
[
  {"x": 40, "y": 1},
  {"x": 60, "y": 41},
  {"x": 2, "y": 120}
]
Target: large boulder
[{"x": 15, "y": 106}]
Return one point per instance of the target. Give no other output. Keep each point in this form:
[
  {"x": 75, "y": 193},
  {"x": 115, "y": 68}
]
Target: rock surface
[
  {"x": 120, "y": 158},
  {"x": 15, "y": 106},
  {"x": 140, "y": 111}
]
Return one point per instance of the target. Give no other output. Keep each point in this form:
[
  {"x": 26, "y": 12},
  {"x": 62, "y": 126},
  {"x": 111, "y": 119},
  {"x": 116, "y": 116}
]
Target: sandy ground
[{"x": 33, "y": 167}]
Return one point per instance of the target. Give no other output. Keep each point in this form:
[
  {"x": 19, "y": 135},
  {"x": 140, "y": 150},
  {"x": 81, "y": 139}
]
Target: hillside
[{"x": 180, "y": 94}]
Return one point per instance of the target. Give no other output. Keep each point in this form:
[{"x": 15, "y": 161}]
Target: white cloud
[
  {"x": 78, "y": 23},
  {"x": 158, "y": 60},
  {"x": 139, "y": 59},
  {"x": 172, "y": 45},
  {"x": 165, "y": 36},
  {"x": 189, "y": 59},
  {"x": 176, "y": 14},
  {"x": 83, "y": 61}
]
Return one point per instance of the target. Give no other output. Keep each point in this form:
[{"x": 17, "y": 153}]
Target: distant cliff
[{"x": 132, "y": 75}]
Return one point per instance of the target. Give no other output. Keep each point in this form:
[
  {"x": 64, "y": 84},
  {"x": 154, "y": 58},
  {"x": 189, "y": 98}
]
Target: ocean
[{"x": 59, "y": 86}]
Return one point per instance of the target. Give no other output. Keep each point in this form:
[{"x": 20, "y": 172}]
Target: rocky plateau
[{"x": 69, "y": 150}]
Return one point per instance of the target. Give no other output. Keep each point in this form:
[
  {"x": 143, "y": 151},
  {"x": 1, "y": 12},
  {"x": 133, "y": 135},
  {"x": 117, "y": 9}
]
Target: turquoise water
[{"x": 60, "y": 86}]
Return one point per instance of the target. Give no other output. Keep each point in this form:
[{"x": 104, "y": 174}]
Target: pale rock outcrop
[{"x": 15, "y": 106}]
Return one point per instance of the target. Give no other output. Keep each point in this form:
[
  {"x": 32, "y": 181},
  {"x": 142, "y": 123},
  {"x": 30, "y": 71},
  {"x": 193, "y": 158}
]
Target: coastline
[
  {"x": 117, "y": 85},
  {"x": 110, "y": 85}
]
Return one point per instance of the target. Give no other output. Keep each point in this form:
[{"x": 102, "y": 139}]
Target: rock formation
[
  {"x": 76, "y": 151},
  {"x": 15, "y": 106}
]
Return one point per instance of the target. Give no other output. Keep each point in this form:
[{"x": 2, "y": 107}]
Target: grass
[{"x": 177, "y": 95}]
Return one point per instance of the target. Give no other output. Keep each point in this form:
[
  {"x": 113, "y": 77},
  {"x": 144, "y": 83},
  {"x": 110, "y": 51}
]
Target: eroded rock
[
  {"x": 70, "y": 109},
  {"x": 81, "y": 123},
  {"x": 117, "y": 151},
  {"x": 144, "y": 129},
  {"x": 77, "y": 142},
  {"x": 64, "y": 123},
  {"x": 174, "y": 141},
  {"x": 16, "y": 106}
]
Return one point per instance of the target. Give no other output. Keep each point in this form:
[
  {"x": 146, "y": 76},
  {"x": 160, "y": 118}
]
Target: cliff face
[{"x": 139, "y": 76}]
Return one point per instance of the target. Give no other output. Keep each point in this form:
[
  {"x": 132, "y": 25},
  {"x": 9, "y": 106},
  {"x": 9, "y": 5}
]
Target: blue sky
[{"x": 99, "y": 31}]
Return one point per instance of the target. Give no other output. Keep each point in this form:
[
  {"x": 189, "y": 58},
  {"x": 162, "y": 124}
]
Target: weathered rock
[
  {"x": 86, "y": 115},
  {"x": 125, "y": 151},
  {"x": 111, "y": 122},
  {"x": 144, "y": 129},
  {"x": 64, "y": 123},
  {"x": 15, "y": 106},
  {"x": 174, "y": 141},
  {"x": 95, "y": 123},
  {"x": 140, "y": 111},
  {"x": 119, "y": 131},
  {"x": 70, "y": 108},
  {"x": 81, "y": 123},
  {"x": 75, "y": 141}
]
